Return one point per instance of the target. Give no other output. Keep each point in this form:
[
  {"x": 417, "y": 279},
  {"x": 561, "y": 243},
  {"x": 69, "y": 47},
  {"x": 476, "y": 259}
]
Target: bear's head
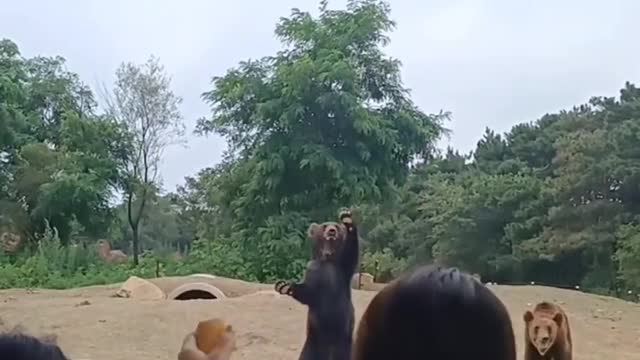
[
  {"x": 328, "y": 239},
  {"x": 542, "y": 329},
  {"x": 103, "y": 246},
  {"x": 10, "y": 242},
  {"x": 215, "y": 335}
]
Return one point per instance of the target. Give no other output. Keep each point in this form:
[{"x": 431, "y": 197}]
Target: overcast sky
[{"x": 491, "y": 63}]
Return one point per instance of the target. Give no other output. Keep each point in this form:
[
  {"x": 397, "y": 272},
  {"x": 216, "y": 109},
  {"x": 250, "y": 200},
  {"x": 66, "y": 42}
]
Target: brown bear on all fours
[
  {"x": 326, "y": 290},
  {"x": 438, "y": 313},
  {"x": 547, "y": 333}
]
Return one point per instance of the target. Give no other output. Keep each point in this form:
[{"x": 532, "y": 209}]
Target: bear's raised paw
[{"x": 346, "y": 216}]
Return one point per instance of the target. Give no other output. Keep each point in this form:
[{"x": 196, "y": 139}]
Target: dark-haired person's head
[
  {"x": 15, "y": 346},
  {"x": 435, "y": 312}
]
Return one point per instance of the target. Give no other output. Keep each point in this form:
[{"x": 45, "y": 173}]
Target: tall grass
[{"x": 55, "y": 266}]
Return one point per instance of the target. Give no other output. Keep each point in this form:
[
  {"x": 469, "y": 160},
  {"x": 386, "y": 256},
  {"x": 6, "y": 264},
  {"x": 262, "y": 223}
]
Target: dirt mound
[{"x": 90, "y": 323}]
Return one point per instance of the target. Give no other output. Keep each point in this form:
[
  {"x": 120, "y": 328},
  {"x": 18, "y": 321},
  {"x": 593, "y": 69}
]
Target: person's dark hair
[
  {"x": 17, "y": 346},
  {"x": 435, "y": 312}
]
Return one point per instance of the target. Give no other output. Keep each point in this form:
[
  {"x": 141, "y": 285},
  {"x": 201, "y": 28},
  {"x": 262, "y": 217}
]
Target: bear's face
[
  {"x": 103, "y": 245},
  {"x": 542, "y": 330},
  {"x": 10, "y": 242},
  {"x": 328, "y": 239}
]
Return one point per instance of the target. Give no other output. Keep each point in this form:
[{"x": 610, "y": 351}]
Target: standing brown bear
[
  {"x": 326, "y": 290},
  {"x": 547, "y": 335}
]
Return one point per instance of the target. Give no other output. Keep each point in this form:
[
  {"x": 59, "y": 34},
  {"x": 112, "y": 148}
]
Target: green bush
[
  {"x": 383, "y": 265},
  {"x": 55, "y": 266}
]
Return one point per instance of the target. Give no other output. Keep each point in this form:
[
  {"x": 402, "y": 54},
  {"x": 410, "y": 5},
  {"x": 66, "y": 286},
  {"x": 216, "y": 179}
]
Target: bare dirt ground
[{"x": 92, "y": 325}]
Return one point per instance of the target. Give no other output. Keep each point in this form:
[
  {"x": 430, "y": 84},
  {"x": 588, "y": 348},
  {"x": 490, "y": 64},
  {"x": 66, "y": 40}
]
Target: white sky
[{"x": 491, "y": 63}]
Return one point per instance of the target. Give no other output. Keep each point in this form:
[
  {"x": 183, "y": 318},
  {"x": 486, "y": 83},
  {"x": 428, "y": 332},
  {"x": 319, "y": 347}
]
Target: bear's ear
[
  {"x": 528, "y": 316},
  {"x": 314, "y": 230},
  {"x": 558, "y": 318}
]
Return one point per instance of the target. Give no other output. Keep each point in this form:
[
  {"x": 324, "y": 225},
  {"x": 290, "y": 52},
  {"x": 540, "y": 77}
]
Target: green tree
[
  {"x": 163, "y": 228},
  {"x": 60, "y": 161},
  {"x": 143, "y": 103},
  {"x": 324, "y": 123}
]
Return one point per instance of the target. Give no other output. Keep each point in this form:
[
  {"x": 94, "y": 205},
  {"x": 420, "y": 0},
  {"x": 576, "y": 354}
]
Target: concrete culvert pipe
[{"x": 197, "y": 290}]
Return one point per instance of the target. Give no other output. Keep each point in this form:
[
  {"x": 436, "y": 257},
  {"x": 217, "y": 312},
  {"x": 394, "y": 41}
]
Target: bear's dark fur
[{"x": 326, "y": 290}]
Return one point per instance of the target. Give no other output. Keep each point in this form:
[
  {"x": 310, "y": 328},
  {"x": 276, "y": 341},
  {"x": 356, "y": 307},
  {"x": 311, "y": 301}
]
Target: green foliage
[
  {"x": 324, "y": 123},
  {"x": 57, "y": 266},
  {"x": 219, "y": 258},
  {"x": 61, "y": 162},
  {"x": 476, "y": 223},
  {"x": 383, "y": 265},
  {"x": 628, "y": 254},
  {"x": 53, "y": 265},
  {"x": 553, "y": 201}
]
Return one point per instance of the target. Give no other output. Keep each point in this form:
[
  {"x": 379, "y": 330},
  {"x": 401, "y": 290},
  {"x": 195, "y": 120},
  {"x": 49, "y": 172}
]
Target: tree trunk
[
  {"x": 134, "y": 230},
  {"x": 134, "y": 224}
]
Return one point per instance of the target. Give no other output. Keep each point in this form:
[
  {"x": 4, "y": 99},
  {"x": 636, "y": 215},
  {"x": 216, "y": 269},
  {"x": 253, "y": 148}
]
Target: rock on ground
[{"x": 140, "y": 289}]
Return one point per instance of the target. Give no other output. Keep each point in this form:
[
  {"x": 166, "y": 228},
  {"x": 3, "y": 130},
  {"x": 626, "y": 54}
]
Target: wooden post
[
  {"x": 360, "y": 277},
  {"x": 375, "y": 271}
]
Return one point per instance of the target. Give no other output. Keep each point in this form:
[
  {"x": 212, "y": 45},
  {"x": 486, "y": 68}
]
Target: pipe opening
[
  {"x": 195, "y": 295},
  {"x": 195, "y": 291}
]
